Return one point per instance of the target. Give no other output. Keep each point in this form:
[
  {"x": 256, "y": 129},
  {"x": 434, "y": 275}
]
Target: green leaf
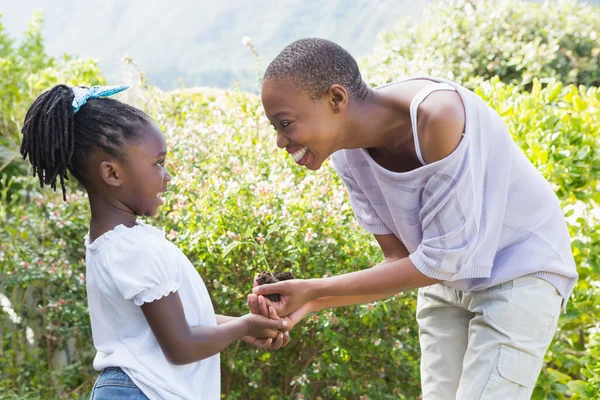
[
  {"x": 555, "y": 92},
  {"x": 272, "y": 229},
  {"x": 558, "y": 376},
  {"x": 249, "y": 232},
  {"x": 230, "y": 247},
  {"x": 578, "y": 387}
]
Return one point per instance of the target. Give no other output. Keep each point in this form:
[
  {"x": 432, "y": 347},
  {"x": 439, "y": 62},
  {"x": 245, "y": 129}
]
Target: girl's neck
[{"x": 106, "y": 216}]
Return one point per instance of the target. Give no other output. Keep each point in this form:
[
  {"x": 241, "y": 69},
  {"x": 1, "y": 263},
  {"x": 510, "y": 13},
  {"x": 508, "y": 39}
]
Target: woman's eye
[
  {"x": 284, "y": 124},
  {"x": 161, "y": 163}
]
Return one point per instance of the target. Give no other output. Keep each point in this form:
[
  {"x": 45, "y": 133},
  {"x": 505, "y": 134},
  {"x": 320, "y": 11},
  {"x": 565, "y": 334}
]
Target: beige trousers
[{"x": 487, "y": 344}]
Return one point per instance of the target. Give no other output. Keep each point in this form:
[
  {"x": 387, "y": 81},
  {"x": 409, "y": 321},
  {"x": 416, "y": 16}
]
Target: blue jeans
[{"x": 114, "y": 384}]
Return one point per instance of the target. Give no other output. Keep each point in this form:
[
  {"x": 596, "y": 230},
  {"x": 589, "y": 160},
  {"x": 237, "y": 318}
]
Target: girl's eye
[
  {"x": 161, "y": 163},
  {"x": 284, "y": 124}
]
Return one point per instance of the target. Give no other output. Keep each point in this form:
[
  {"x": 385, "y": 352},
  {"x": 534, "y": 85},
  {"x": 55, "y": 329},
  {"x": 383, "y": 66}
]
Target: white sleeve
[
  {"x": 142, "y": 269},
  {"x": 364, "y": 212},
  {"x": 450, "y": 219}
]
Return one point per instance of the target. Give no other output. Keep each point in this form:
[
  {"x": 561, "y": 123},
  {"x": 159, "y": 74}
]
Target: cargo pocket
[
  {"x": 514, "y": 376},
  {"x": 528, "y": 306}
]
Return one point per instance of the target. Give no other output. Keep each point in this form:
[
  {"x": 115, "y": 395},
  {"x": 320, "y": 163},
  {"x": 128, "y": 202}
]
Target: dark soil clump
[{"x": 264, "y": 278}]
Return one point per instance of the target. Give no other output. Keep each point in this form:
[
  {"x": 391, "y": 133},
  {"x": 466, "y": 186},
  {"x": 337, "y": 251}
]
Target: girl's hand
[
  {"x": 294, "y": 294},
  {"x": 283, "y": 338},
  {"x": 262, "y": 327},
  {"x": 268, "y": 344}
]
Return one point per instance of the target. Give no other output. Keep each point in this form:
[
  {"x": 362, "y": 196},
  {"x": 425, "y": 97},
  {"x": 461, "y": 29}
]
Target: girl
[
  {"x": 455, "y": 206},
  {"x": 153, "y": 324}
]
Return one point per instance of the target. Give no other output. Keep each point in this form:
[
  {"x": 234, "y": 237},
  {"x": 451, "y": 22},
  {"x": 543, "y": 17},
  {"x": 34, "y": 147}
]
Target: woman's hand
[
  {"x": 294, "y": 293},
  {"x": 260, "y": 305}
]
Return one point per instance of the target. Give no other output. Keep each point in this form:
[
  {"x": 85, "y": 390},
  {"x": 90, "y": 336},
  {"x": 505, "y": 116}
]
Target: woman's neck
[{"x": 379, "y": 121}]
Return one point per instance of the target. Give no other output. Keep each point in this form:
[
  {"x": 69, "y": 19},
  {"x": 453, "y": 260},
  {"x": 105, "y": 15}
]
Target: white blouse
[{"x": 127, "y": 267}]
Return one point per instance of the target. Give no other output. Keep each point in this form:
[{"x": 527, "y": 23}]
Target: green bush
[
  {"x": 558, "y": 128},
  {"x": 471, "y": 41},
  {"x": 25, "y": 72},
  {"x": 228, "y": 177}
]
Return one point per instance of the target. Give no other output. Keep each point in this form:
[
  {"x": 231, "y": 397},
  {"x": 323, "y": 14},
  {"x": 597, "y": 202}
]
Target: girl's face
[
  {"x": 144, "y": 176},
  {"x": 308, "y": 129}
]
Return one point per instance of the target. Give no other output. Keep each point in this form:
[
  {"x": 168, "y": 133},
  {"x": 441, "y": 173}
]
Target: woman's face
[{"x": 308, "y": 129}]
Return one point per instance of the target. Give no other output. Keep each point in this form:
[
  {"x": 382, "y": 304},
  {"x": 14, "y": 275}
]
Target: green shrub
[
  {"x": 471, "y": 41},
  {"x": 228, "y": 176},
  {"x": 25, "y": 72},
  {"x": 558, "y": 128}
]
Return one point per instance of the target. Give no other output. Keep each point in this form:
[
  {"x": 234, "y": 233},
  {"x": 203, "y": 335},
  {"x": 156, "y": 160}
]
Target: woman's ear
[
  {"x": 110, "y": 173},
  {"x": 337, "y": 97}
]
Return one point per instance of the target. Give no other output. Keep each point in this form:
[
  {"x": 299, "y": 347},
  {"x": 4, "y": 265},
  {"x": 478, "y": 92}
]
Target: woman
[{"x": 458, "y": 210}]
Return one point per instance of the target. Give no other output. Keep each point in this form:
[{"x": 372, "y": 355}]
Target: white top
[
  {"x": 127, "y": 267},
  {"x": 479, "y": 217}
]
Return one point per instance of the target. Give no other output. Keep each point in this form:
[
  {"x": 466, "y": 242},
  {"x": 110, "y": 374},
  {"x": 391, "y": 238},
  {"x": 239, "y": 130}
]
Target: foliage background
[{"x": 228, "y": 176}]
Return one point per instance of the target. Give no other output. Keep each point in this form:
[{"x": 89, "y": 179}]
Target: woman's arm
[
  {"x": 221, "y": 319},
  {"x": 393, "y": 249},
  {"x": 388, "y": 277},
  {"x": 184, "y": 344},
  {"x": 395, "y": 274}
]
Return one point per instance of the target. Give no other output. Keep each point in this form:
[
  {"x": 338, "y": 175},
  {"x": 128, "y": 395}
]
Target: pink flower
[
  {"x": 172, "y": 235},
  {"x": 310, "y": 235},
  {"x": 263, "y": 188}
]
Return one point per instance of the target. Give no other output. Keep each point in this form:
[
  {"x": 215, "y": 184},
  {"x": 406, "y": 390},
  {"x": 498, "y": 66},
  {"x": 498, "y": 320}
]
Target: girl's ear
[
  {"x": 111, "y": 173},
  {"x": 337, "y": 97}
]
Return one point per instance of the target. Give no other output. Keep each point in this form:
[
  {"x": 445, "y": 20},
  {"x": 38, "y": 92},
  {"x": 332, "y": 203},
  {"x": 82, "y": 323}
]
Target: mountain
[{"x": 200, "y": 41}]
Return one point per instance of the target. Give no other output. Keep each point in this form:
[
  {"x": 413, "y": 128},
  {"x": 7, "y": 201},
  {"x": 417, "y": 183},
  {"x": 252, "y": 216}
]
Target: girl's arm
[
  {"x": 184, "y": 344},
  {"x": 282, "y": 339}
]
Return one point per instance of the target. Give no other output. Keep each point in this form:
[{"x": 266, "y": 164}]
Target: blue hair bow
[{"x": 82, "y": 94}]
